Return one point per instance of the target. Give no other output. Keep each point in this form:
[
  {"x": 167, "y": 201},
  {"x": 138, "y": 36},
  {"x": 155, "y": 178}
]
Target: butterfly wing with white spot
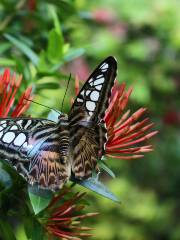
[
  {"x": 93, "y": 98},
  {"x": 87, "y": 129},
  {"x": 31, "y": 146}
]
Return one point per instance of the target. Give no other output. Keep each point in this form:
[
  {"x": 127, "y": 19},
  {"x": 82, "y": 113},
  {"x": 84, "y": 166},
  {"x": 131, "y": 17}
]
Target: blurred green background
[{"x": 47, "y": 40}]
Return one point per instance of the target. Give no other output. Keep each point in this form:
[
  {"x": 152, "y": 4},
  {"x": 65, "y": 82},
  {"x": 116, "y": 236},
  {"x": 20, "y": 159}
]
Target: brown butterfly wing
[
  {"x": 46, "y": 166},
  {"x": 31, "y": 146},
  {"x": 87, "y": 129},
  {"x": 87, "y": 144}
]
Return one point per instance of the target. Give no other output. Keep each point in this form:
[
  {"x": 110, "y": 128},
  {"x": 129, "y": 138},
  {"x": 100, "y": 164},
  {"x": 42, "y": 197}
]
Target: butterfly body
[{"x": 48, "y": 153}]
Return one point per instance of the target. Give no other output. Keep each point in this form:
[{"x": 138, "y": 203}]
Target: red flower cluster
[
  {"x": 125, "y": 130},
  {"x": 8, "y": 89},
  {"x": 64, "y": 219}
]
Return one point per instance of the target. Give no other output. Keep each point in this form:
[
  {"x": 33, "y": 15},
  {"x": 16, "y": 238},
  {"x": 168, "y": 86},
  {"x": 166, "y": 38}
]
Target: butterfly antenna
[
  {"x": 65, "y": 92},
  {"x": 42, "y": 105}
]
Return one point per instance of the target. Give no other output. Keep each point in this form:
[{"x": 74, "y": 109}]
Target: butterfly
[{"x": 48, "y": 153}]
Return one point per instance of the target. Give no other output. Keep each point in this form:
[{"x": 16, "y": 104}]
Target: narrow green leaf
[
  {"x": 6, "y": 232},
  {"x": 54, "y": 15},
  {"x": 66, "y": 7},
  {"x": 7, "y": 62},
  {"x": 39, "y": 198},
  {"x": 50, "y": 85},
  {"x": 73, "y": 53},
  {"x": 33, "y": 229},
  {"x": 96, "y": 186},
  {"x": 106, "y": 168},
  {"x": 55, "y": 46},
  {"x": 23, "y": 48},
  {"x": 37, "y": 231}
]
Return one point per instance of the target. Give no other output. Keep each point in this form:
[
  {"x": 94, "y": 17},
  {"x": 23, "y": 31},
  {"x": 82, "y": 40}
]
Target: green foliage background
[{"x": 43, "y": 39}]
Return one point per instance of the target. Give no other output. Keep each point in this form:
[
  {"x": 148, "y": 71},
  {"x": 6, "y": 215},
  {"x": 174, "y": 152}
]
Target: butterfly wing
[
  {"x": 93, "y": 98},
  {"x": 87, "y": 129},
  {"x": 86, "y": 149},
  {"x": 31, "y": 146}
]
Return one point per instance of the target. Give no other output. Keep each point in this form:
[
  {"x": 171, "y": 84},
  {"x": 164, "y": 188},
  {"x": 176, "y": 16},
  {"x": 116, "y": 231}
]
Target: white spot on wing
[
  {"x": 20, "y": 139},
  {"x": 90, "y": 80},
  {"x": 1, "y": 128},
  {"x": 88, "y": 92},
  {"x": 25, "y": 145},
  {"x": 8, "y": 137},
  {"x": 90, "y": 106},
  {"x": 98, "y": 87},
  {"x": 79, "y": 100},
  {"x": 82, "y": 93},
  {"x": 19, "y": 122},
  {"x": 1, "y": 133},
  {"x": 94, "y": 96},
  {"x": 28, "y": 124},
  {"x": 14, "y": 127},
  {"x": 99, "y": 81},
  {"x": 99, "y": 76},
  {"x": 104, "y": 66},
  {"x": 3, "y": 122}
]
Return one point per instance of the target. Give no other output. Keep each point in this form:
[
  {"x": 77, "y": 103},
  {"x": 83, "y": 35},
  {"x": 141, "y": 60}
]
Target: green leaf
[
  {"x": 54, "y": 15},
  {"x": 4, "y": 47},
  {"x": 66, "y": 7},
  {"x": 73, "y": 53},
  {"x": 67, "y": 57},
  {"x": 33, "y": 229},
  {"x": 104, "y": 166},
  {"x": 39, "y": 198},
  {"x": 5, "y": 178},
  {"x": 50, "y": 85},
  {"x": 7, "y": 62},
  {"x": 38, "y": 232},
  {"x": 96, "y": 186},
  {"x": 23, "y": 48},
  {"x": 55, "y": 46},
  {"x": 43, "y": 64},
  {"x": 6, "y": 232}
]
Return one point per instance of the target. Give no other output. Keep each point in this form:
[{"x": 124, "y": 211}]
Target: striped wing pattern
[
  {"x": 94, "y": 96},
  {"x": 31, "y": 146},
  {"x": 47, "y": 153},
  {"x": 87, "y": 129}
]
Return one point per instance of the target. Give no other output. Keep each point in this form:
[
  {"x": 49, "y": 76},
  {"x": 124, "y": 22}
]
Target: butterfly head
[{"x": 62, "y": 118}]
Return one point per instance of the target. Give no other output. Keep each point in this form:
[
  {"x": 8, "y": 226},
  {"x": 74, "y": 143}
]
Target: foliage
[{"x": 45, "y": 41}]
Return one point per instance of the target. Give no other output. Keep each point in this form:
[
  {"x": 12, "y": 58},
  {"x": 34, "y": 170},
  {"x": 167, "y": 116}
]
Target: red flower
[
  {"x": 125, "y": 131},
  {"x": 64, "y": 217},
  {"x": 8, "y": 88}
]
